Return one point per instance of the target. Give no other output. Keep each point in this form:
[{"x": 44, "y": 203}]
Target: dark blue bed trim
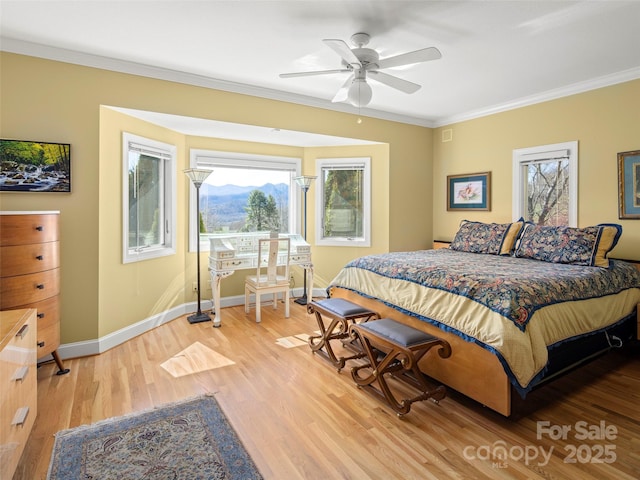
[{"x": 522, "y": 391}]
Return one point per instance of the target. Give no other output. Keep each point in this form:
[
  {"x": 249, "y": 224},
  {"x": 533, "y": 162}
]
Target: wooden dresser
[
  {"x": 18, "y": 385},
  {"x": 30, "y": 273}
]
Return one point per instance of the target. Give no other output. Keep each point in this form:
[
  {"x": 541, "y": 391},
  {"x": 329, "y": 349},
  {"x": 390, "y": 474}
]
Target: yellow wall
[
  {"x": 604, "y": 122},
  {"x": 326, "y": 258},
  {"x": 135, "y": 291},
  {"x": 54, "y": 101}
]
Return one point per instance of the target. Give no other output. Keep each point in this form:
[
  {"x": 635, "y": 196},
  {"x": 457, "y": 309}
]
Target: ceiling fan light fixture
[{"x": 360, "y": 93}]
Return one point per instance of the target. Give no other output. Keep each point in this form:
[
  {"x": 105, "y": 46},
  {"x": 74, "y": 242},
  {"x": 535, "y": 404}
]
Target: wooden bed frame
[{"x": 471, "y": 370}]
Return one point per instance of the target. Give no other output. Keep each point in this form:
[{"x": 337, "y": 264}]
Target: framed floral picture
[
  {"x": 629, "y": 184},
  {"x": 469, "y": 192}
]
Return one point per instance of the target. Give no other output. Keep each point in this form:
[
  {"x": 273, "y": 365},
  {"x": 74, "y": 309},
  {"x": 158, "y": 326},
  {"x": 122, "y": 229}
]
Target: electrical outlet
[{"x": 194, "y": 286}]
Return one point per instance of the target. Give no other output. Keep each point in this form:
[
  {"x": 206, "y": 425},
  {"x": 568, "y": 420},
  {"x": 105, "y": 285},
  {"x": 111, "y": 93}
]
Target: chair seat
[{"x": 280, "y": 280}]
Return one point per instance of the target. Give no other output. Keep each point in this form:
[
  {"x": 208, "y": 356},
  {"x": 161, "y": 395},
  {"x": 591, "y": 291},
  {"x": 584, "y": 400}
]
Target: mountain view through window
[{"x": 245, "y": 200}]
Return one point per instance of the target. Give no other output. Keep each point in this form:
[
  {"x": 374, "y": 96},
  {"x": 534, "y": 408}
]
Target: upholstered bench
[
  {"x": 340, "y": 312},
  {"x": 395, "y": 348}
]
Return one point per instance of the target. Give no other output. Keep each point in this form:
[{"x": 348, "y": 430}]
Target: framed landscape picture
[
  {"x": 469, "y": 192},
  {"x": 629, "y": 184},
  {"x": 27, "y": 166}
]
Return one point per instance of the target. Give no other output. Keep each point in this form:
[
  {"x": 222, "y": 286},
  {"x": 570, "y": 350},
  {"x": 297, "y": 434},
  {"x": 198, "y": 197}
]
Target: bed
[{"x": 518, "y": 303}]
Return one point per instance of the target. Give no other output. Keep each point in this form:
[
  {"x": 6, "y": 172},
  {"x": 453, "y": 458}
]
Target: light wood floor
[{"x": 300, "y": 419}]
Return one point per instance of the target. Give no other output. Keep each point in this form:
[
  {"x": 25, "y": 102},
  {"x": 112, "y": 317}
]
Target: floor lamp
[
  {"x": 304, "y": 182},
  {"x": 197, "y": 176}
]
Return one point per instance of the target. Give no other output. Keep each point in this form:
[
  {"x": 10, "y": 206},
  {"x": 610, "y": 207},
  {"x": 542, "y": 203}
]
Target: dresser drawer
[
  {"x": 18, "y": 395},
  {"x": 26, "y": 229},
  {"x": 32, "y": 258},
  {"x": 48, "y": 331},
  {"x": 25, "y": 289}
]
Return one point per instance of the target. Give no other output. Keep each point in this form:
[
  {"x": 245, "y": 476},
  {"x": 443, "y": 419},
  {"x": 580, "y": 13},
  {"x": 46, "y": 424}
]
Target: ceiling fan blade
[
  {"x": 394, "y": 82},
  {"x": 343, "y": 93},
  {"x": 417, "y": 56},
  {"x": 316, "y": 72},
  {"x": 342, "y": 49}
]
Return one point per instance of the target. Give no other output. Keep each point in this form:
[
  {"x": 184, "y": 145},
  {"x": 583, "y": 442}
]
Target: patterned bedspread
[{"x": 514, "y": 307}]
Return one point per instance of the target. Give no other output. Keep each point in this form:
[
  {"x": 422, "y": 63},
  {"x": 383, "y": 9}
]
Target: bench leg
[
  {"x": 321, "y": 344},
  {"x": 403, "y": 365}
]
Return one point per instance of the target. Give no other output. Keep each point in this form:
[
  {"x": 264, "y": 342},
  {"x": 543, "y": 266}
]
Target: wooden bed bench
[
  {"x": 394, "y": 348},
  {"x": 341, "y": 314}
]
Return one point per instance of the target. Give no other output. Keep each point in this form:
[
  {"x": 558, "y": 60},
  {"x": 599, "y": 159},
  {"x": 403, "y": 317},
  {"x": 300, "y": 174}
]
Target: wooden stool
[
  {"x": 340, "y": 312},
  {"x": 395, "y": 348}
]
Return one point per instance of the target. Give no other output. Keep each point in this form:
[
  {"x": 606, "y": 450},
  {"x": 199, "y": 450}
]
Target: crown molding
[
  {"x": 122, "y": 66},
  {"x": 107, "y": 63},
  {"x": 573, "y": 89}
]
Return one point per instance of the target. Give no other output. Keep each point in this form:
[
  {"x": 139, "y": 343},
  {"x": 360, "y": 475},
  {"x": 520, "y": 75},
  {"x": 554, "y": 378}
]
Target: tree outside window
[
  {"x": 344, "y": 197},
  {"x": 262, "y": 213},
  {"x": 149, "y": 202},
  {"x": 545, "y": 184},
  {"x": 547, "y": 192}
]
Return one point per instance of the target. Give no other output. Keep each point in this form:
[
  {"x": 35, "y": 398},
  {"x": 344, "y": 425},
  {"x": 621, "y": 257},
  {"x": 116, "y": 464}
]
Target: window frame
[
  {"x": 341, "y": 163},
  {"x": 204, "y": 158},
  {"x": 521, "y": 156},
  {"x": 167, "y": 155}
]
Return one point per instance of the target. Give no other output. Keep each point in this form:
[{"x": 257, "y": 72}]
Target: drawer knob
[
  {"x": 20, "y": 417},
  {"x": 39, "y": 257},
  {"x": 23, "y": 331},
  {"x": 40, "y": 228},
  {"x": 40, "y": 344},
  {"x": 40, "y": 286},
  {"x": 40, "y": 315}
]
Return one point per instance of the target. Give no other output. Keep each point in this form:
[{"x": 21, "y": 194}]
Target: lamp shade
[
  {"x": 359, "y": 92},
  {"x": 197, "y": 175},
  {"x": 304, "y": 181}
]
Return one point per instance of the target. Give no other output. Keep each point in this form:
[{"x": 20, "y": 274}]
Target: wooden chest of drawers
[
  {"x": 18, "y": 385},
  {"x": 30, "y": 273}
]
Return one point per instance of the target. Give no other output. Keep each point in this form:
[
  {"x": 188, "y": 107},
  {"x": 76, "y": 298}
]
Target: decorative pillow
[
  {"x": 491, "y": 238},
  {"x": 577, "y": 246}
]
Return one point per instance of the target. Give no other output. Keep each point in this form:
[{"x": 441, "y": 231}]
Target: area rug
[{"x": 188, "y": 440}]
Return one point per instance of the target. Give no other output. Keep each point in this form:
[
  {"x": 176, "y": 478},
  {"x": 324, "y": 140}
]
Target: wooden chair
[{"x": 272, "y": 274}]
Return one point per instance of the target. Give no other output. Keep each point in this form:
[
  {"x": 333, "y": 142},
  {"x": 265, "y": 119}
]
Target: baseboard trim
[{"x": 102, "y": 344}]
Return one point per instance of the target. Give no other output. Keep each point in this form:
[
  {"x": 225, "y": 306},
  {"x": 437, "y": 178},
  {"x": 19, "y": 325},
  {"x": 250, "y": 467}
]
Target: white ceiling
[{"x": 496, "y": 55}]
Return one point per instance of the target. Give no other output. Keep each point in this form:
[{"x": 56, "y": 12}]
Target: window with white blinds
[
  {"x": 344, "y": 199},
  {"x": 149, "y": 199},
  {"x": 545, "y": 184}
]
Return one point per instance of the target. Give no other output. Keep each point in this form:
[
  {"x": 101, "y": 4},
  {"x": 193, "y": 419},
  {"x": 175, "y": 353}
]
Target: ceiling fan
[{"x": 361, "y": 61}]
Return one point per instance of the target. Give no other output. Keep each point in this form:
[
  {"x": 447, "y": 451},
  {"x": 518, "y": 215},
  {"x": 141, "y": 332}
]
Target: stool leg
[
  {"x": 338, "y": 329},
  {"x": 323, "y": 342},
  {"x": 398, "y": 362},
  {"x": 378, "y": 370}
]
